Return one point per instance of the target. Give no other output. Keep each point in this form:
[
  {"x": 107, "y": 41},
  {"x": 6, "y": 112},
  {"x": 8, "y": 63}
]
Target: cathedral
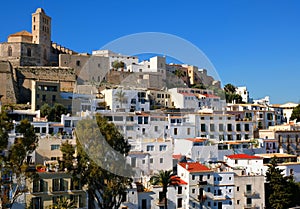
[
  {"x": 33, "y": 49},
  {"x": 28, "y": 57}
]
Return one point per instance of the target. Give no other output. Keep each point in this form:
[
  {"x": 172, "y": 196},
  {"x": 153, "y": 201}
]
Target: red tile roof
[
  {"x": 243, "y": 156},
  {"x": 194, "y": 167},
  {"x": 211, "y": 96},
  {"x": 178, "y": 180},
  {"x": 197, "y": 139}
]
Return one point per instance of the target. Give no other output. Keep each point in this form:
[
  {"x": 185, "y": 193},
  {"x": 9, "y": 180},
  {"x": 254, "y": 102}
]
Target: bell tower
[{"x": 41, "y": 32}]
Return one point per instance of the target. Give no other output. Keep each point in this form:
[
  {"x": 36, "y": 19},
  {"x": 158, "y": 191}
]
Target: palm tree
[
  {"x": 120, "y": 97},
  {"x": 164, "y": 179}
]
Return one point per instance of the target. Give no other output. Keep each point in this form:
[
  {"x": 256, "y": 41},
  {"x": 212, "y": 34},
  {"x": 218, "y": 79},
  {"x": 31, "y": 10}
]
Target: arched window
[
  {"x": 9, "y": 51},
  {"x": 28, "y": 52}
]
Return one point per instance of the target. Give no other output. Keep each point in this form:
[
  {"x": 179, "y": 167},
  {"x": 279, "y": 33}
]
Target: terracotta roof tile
[
  {"x": 243, "y": 156},
  {"x": 194, "y": 167}
]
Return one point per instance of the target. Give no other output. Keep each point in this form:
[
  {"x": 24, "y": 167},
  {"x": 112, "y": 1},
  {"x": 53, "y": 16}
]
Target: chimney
[{"x": 187, "y": 166}]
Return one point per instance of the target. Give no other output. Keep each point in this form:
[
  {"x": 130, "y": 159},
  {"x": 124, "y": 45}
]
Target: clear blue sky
[{"x": 250, "y": 42}]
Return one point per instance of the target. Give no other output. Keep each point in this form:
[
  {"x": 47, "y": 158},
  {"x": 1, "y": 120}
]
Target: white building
[
  {"x": 126, "y": 100},
  {"x": 243, "y": 92}
]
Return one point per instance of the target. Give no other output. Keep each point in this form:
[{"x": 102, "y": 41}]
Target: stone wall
[
  {"x": 8, "y": 86},
  {"x": 16, "y": 83}
]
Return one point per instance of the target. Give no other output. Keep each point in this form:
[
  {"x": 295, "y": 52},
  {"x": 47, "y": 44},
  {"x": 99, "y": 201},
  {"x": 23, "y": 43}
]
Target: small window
[
  {"x": 151, "y": 160},
  {"x": 161, "y": 160},
  {"x": 28, "y": 52},
  {"x": 54, "y": 146},
  {"x": 150, "y": 148},
  {"x": 175, "y": 131},
  {"x": 9, "y": 51},
  {"x": 78, "y": 63},
  {"x": 162, "y": 147}
]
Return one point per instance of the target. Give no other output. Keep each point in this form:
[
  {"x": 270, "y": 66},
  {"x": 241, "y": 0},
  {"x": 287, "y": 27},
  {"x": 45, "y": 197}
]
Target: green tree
[
  {"x": 63, "y": 203},
  {"x": 53, "y": 113},
  {"x": 68, "y": 156},
  {"x": 6, "y": 126},
  {"x": 120, "y": 97},
  {"x": 15, "y": 162},
  {"x": 282, "y": 192},
  {"x": 118, "y": 64},
  {"x": 179, "y": 73},
  {"x": 296, "y": 114},
  {"x": 95, "y": 161},
  {"x": 231, "y": 95},
  {"x": 164, "y": 179}
]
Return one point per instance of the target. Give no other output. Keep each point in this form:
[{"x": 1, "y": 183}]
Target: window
[
  {"x": 151, "y": 160},
  {"x": 175, "y": 131},
  {"x": 237, "y": 188},
  {"x": 54, "y": 146},
  {"x": 212, "y": 127},
  {"x": 179, "y": 202},
  {"x": 248, "y": 188},
  {"x": 208, "y": 189},
  {"x": 78, "y": 63},
  {"x": 229, "y": 127},
  {"x": 249, "y": 201},
  {"x": 221, "y": 127},
  {"x": 203, "y": 127},
  {"x": 208, "y": 203},
  {"x": 140, "y": 120},
  {"x": 179, "y": 190},
  {"x": 193, "y": 177},
  {"x": 188, "y": 131},
  {"x": 161, "y": 160},
  {"x": 155, "y": 128},
  {"x": 53, "y": 98},
  {"x": 44, "y": 97},
  {"x": 247, "y": 127},
  {"x": 9, "y": 51},
  {"x": 28, "y": 52},
  {"x": 162, "y": 147},
  {"x": 238, "y": 127},
  {"x": 150, "y": 148},
  {"x": 45, "y": 54},
  {"x": 193, "y": 191},
  {"x": 146, "y": 119}
]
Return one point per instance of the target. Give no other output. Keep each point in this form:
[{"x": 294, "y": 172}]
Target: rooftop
[
  {"x": 243, "y": 156},
  {"x": 194, "y": 167},
  {"x": 21, "y": 33}
]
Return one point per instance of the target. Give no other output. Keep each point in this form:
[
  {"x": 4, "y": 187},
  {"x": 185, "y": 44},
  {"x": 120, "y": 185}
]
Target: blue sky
[{"x": 250, "y": 42}]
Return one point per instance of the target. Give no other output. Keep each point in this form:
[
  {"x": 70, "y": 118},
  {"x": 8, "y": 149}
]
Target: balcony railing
[
  {"x": 202, "y": 183},
  {"x": 251, "y": 194}
]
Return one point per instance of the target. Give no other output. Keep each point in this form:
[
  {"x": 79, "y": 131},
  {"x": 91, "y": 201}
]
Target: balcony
[
  {"x": 202, "y": 183},
  {"x": 251, "y": 194},
  {"x": 250, "y": 206}
]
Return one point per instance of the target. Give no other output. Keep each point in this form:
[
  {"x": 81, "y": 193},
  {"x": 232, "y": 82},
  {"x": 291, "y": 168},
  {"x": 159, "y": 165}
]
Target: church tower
[{"x": 41, "y": 32}]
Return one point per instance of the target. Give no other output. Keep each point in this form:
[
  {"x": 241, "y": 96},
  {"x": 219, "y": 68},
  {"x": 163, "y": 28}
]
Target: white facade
[
  {"x": 126, "y": 100},
  {"x": 243, "y": 92}
]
